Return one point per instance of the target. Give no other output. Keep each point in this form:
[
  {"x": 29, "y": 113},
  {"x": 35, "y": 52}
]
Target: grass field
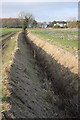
[
  {"x": 66, "y": 38},
  {"x": 5, "y": 31}
]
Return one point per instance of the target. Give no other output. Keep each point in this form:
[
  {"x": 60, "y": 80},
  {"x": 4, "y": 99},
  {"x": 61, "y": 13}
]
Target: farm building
[{"x": 60, "y": 23}]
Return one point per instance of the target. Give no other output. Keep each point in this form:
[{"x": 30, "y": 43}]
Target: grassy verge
[
  {"x": 7, "y": 57},
  {"x": 6, "y": 54},
  {"x": 6, "y": 30},
  {"x": 6, "y": 36}
]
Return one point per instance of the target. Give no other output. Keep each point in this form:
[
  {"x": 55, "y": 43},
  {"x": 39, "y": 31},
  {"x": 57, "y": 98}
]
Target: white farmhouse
[{"x": 60, "y": 23}]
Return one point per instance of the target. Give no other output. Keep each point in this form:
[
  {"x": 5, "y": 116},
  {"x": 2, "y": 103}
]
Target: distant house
[
  {"x": 42, "y": 25},
  {"x": 60, "y": 23}
]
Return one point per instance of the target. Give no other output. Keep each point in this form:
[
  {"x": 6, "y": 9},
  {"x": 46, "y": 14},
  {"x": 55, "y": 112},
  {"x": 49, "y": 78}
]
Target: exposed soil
[
  {"x": 29, "y": 90},
  {"x": 5, "y": 34},
  {"x": 61, "y": 68},
  {"x": 63, "y": 57},
  {"x": 3, "y": 41},
  {"x": 41, "y": 86}
]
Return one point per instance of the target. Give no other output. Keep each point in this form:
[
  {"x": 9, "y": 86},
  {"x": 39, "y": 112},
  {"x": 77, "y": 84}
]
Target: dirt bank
[
  {"x": 62, "y": 71},
  {"x": 29, "y": 92},
  {"x": 63, "y": 57}
]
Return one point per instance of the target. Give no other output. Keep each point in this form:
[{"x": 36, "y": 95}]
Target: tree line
[
  {"x": 17, "y": 23},
  {"x": 26, "y": 20}
]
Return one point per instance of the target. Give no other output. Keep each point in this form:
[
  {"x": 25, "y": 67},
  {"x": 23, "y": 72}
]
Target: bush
[
  {"x": 24, "y": 26},
  {"x": 65, "y": 26},
  {"x": 56, "y": 26},
  {"x": 72, "y": 24},
  {"x": 25, "y": 23}
]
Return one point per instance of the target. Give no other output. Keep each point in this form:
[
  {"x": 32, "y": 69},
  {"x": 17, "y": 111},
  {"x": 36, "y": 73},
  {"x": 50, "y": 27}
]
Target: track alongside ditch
[
  {"x": 6, "y": 39},
  {"x": 2, "y": 43},
  {"x": 5, "y": 34}
]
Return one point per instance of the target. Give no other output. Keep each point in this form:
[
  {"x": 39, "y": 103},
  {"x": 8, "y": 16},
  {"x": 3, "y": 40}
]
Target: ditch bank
[{"x": 61, "y": 69}]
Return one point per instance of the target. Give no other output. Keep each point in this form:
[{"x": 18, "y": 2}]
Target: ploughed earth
[{"x": 33, "y": 90}]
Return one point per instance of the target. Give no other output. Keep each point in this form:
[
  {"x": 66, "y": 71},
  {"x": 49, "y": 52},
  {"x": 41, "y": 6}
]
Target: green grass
[
  {"x": 67, "y": 38},
  {"x": 4, "y": 97},
  {"x": 6, "y": 57},
  {"x": 5, "y": 37},
  {"x": 6, "y": 30},
  {"x": 8, "y": 51}
]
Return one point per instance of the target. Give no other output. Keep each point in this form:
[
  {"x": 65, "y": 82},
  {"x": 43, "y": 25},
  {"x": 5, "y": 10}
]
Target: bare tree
[
  {"x": 72, "y": 23},
  {"x": 29, "y": 16}
]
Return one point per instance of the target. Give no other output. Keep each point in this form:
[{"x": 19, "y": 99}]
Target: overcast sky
[
  {"x": 39, "y": 0},
  {"x": 42, "y": 11}
]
